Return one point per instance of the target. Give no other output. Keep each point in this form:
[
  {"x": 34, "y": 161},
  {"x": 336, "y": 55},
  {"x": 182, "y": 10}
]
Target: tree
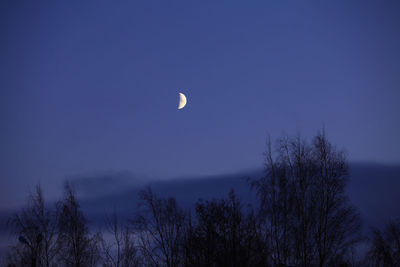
[
  {"x": 303, "y": 218},
  {"x": 160, "y": 230},
  {"x": 77, "y": 248},
  {"x": 302, "y": 199},
  {"x": 120, "y": 250},
  {"x": 224, "y": 235},
  {"x": 337, "y": 222},
  {"x": 35, "y": 226},
  {"x": 385, "y": 246},
  {"x": 276, "y": 203}
]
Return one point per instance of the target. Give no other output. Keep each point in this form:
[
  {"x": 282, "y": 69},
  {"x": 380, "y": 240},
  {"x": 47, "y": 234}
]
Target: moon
[{"x": 182, "y": 101}]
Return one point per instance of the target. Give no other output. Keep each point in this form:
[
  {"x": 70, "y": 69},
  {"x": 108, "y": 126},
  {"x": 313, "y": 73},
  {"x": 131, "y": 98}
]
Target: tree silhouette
[
  {"x": 303, "y": 218},
  {"x": 160, "y": 230},
  {"x": 76, "y": 247},
  {"x": 303, "y": 203},
  {"x": 36, "y": 229},
  {"x": 224, "y": 235},
  {"x": 385, "y": 246},
  {"x": 120, "y": 250}
]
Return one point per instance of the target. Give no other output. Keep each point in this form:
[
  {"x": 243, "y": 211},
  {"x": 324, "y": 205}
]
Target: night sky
[{"x": 92, "y": 86}]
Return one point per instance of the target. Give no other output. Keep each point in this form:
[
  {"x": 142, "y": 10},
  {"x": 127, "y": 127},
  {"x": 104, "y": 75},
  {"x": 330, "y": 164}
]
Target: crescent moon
[{"x": 182, "y": 101}]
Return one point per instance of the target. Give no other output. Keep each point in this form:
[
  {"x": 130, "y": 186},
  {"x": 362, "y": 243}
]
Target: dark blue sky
[{"x": 92, "y": 86}]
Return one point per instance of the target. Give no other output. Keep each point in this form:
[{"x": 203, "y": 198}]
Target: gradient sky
[{"x": 92, "y": 86}]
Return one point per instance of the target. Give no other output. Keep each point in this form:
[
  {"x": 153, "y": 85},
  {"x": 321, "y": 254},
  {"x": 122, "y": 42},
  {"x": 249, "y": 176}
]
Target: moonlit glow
[{"x": 182, "y": 101}]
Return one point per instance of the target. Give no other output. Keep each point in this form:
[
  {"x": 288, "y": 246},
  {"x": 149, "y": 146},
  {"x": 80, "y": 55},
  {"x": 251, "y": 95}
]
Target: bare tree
[
  {"x": 77, "y": 248},
  {"x": 160, "y": 230},
  {"x": 276, "y": 195},
  {"x": 337, "y": 222},
  {"x": 35, "y": 226},
  {"x": 224, "y": 235},
  {"x": 304, "y": 205},
  {"x": 385, "y": 246},
  {"x": 120, "y": 249},
  {"x": 304, "y": 219}
]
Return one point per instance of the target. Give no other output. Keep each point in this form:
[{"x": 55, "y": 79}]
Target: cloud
[
  {"x": 373, "y": 189},
  {"x": 99, "y": 184}
]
